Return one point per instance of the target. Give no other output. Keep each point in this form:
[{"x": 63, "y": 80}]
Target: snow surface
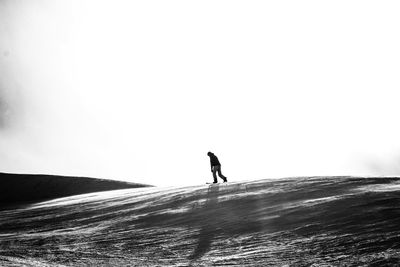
[{"x": 310, "y": 221}]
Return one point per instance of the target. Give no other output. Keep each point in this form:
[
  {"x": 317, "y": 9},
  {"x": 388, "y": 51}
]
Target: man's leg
[
  {"x": 220, "y": 174},
  {"x": 215, "y": 174}
]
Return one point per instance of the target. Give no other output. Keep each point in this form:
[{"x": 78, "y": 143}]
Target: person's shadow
[{"x": 209, "y": 226}]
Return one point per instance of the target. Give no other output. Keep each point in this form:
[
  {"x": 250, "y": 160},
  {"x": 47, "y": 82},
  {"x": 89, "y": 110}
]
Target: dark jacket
[{"x": 214, "y": 160}]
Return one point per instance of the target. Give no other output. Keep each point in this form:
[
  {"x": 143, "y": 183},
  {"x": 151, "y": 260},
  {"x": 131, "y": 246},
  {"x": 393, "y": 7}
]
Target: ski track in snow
[{"x": 317, "y": 221}]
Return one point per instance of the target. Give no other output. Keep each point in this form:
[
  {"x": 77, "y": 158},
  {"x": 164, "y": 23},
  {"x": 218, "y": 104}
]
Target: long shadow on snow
[
  {"x": 215, "y": 218},
  {"x": 208, "y": 229}
]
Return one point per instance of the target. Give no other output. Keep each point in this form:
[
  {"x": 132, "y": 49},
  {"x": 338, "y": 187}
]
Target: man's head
[{"x": 209, "y": 154}]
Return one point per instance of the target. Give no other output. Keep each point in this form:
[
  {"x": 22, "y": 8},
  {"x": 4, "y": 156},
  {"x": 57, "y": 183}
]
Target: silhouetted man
[{"x": 216, "y": 167}]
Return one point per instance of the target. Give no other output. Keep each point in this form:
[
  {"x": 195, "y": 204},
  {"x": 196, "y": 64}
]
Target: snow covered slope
[
  {"x": 16, "y": 189},
  {"x": 325, "y": 221}
]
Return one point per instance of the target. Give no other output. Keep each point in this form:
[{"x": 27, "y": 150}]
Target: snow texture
[{"x": 314, "y": 221}]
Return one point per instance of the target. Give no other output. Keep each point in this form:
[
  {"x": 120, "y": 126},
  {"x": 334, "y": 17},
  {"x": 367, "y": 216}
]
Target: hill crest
[{"x": 23, "y": 188}]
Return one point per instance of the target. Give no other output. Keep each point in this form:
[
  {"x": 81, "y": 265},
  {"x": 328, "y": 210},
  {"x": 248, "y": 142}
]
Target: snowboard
[{"x": 216, "y": 183}]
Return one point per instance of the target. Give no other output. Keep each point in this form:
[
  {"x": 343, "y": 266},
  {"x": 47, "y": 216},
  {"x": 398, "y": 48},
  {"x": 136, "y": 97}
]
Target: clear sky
[{"x": 142, "y": 90}]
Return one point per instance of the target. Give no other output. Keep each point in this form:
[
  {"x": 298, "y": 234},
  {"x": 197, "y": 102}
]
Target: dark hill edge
[{"x": 18, "y": 189}]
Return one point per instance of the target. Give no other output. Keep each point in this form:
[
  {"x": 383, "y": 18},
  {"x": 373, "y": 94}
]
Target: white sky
[{"x": 142, "y": 90}]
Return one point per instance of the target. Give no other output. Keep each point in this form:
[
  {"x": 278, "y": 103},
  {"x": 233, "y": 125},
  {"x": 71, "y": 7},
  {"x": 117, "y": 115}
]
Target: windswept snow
[{"x": 317, "y": 221}]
